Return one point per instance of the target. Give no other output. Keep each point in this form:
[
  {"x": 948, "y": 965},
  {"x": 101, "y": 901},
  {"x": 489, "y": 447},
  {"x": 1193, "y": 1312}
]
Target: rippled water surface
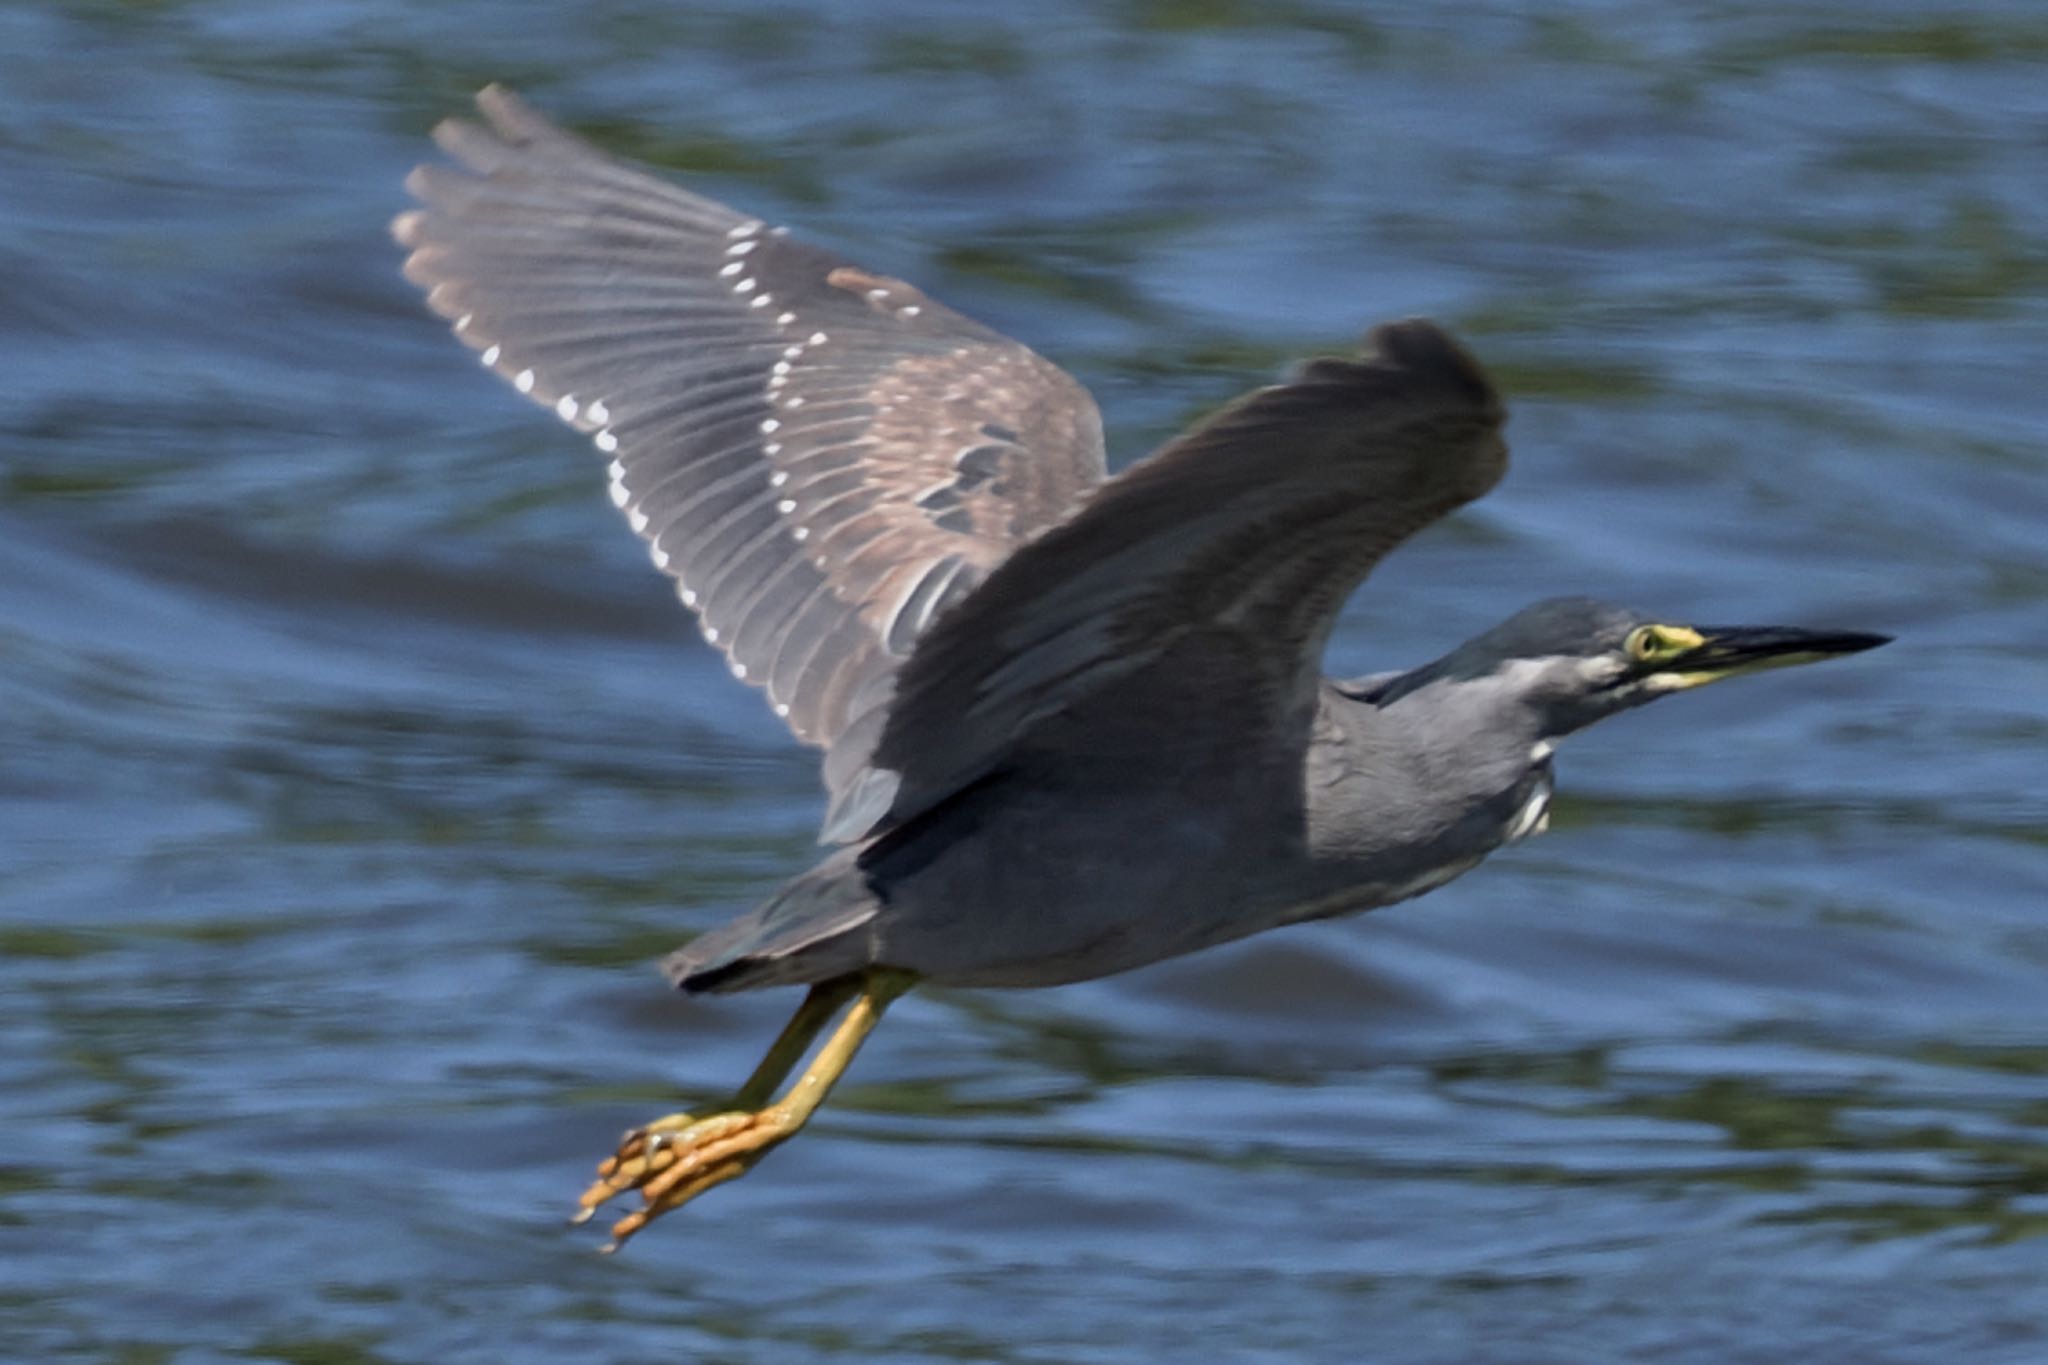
[{"x": 354, "y": 765}]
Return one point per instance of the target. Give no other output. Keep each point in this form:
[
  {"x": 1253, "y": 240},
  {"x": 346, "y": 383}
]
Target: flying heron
[{"x": 1072, "y": 724}]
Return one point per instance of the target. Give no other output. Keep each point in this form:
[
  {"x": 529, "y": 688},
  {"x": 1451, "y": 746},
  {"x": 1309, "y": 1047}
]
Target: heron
[{"x": 1071, "y": 724}]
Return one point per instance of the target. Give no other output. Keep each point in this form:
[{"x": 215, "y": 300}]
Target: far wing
[
  {"x": 823, "y": 459},
  {"x": 1258, "y": 523}
]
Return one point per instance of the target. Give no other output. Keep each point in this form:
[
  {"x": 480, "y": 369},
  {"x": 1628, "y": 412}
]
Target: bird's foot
[
  {"x": 674, "y": 1159},
  {"x": 678, "y": 1157}
]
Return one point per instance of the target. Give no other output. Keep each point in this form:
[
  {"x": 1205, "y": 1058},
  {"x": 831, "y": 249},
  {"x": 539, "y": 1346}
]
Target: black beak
[{"x": 1730, "y": 649}]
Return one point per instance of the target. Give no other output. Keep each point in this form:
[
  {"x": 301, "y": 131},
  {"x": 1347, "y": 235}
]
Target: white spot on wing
[
  {"x": 730, "y": 269},
  {"x": 741, "y": 248},
  {"x": 636, "y": 519},
  {"x": 778, "y": 478},
  {"x": 746, "y": 229},
  {"x": 769, "y": 424},
  {"x": 658, "y": 555},
  {"x": 598, "y": 413},
  {"x": 523, "y": 381},
  {"x": 606, "y": 442},
  {"x": 490, "y": 355},
  {"x": 689, "y": 598},
  {"x": 786, "y": 506},
  {"x": 567, "y": 407}
]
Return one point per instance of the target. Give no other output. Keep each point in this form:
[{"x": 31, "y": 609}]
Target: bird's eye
[{"x": 1659, "y": 644}]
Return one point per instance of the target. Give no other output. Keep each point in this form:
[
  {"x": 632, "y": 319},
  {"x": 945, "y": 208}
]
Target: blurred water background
[{"x": 354, "y": 764}]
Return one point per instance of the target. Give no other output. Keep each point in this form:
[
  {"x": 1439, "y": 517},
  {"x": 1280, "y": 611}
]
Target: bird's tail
[{"x": 811, "y": 930}]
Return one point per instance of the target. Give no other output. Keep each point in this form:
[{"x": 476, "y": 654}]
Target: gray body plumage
[
  {"x": 1073, "y": 724},
  {"x": 1095, "y": 860}
]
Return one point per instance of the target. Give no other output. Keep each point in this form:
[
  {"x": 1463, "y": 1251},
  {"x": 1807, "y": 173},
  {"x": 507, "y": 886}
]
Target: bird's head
[{"x": 1571, "y": 660}]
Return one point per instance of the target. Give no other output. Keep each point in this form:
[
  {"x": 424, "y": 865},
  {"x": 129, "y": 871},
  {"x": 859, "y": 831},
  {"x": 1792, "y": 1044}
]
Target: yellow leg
[
  {"x": 789, "y": 1047},
  {"x": 674, "y": 1159}
]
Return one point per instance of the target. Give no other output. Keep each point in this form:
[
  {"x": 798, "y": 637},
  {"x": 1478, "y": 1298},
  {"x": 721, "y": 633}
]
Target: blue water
[{"x": 354, "y": 766}]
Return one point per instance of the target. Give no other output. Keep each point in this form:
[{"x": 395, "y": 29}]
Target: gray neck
[{"x": 1433, "y": 776}]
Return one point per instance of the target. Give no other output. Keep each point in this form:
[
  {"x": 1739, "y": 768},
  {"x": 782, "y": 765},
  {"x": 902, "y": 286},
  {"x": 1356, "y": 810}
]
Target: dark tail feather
[{"x": 808, "y": 931}]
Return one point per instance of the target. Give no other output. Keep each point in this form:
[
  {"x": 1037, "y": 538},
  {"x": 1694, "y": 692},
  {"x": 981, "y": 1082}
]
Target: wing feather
[
  {"x": 1236, "y": 544},
  {"x": 728, "y": 370}
]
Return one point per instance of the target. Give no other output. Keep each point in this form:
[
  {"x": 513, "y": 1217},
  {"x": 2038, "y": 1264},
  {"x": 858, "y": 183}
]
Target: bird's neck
[{"x": 1437, "y": 768}]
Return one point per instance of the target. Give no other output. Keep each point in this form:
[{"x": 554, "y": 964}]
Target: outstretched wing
[
  {"x": 823, "y": 459},
  {"x": 1257, "y": 524}
]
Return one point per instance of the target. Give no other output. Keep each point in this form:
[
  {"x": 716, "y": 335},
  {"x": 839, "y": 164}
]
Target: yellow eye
[{"x": 1660, "y": 644}]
